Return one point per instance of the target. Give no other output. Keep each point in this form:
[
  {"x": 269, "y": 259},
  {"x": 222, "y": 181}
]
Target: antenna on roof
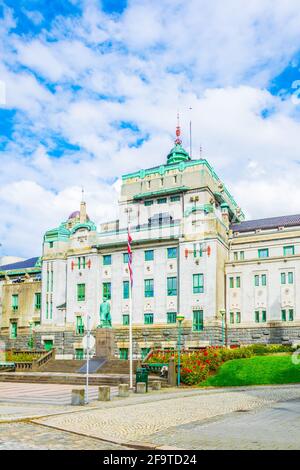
[
  {"x": 201, "y": 150},
  {"x": 178, "y": 132},
  {"x": 82, "y": 194}
]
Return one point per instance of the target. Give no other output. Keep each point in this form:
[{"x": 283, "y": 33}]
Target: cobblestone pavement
[
  {"x": 50, "y": 394},
  {"x": 140, "y": 422},
  {"x": 276, "y": 428},
  {"x": 28, "y": 436}
]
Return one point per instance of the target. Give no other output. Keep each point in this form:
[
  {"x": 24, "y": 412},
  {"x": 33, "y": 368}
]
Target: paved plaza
[
  {"x": 50, "y": 394},
  {"x": 235, "y": 418}
]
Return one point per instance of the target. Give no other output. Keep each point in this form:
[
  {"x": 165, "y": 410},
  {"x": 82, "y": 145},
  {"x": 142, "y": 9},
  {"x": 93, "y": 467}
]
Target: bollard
[
  {"x": 156, "y": 385},
  {"x": 141, "y": 387},
  {"x": 104, "y": 393},
  {"x": 78, "y": 396},
  {"x": 123, "y": 390}
]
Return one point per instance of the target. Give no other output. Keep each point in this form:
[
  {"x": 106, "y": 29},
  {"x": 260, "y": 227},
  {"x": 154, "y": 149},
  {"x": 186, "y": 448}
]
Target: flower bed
[{"x": 197, "y": 365}]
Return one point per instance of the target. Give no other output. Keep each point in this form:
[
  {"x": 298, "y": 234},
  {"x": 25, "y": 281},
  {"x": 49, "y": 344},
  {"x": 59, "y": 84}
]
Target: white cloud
[{"x": 79, "y": 78}]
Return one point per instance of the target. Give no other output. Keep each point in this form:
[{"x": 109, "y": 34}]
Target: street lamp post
[
  {"x": 179, "y": 319},
  {"x": 223, "y": 313}
]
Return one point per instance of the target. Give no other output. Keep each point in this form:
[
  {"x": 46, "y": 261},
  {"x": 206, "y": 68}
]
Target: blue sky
[{"x": 92, "y": 90}]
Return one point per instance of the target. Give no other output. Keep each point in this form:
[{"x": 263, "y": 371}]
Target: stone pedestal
[
  {"x": 156, "y": 385},
  {"x": 172, "y": 373},
  {"x": 78, "y": 397},
  {"x": 105, "y": 343},
  {"x": 123, "y": 390},
  {"x": 104, "y": 393},
  {"x": 141, "y": 387}
]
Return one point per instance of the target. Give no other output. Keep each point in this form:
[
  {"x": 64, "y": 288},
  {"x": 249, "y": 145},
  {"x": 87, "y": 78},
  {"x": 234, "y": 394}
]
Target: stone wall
[{"x": 163, "y": 337}]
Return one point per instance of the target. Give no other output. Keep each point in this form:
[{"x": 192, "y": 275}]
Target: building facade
[{"x": 234, "y": 281}]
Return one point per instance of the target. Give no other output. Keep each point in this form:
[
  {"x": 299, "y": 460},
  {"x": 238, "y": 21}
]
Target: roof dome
[
  {"x": 76, "y": 214},
  {"x": 178, "y": 154}
]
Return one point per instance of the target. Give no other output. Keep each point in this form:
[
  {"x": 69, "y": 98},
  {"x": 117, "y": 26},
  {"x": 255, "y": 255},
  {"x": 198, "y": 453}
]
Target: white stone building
[{"x": 234, "y": 281}]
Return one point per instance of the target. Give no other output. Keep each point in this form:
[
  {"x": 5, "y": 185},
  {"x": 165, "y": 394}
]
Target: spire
[
  {"x": 83, "y": 216},
  {"x": 178, "y": 140}
]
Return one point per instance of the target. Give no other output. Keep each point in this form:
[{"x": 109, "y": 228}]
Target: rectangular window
[
  {"x": 291, "y": 278},
  {"x": 172, "y": 252},
  {"x": 231, "y": 282},
  {"x": 231, "y": 317},
  {"x": 263, "y": 253},
  {"x": 238, "y": 317},
  {"x": 13, "y": 330},
  {"x": 172, "y": 286},
  {"x": 149, "y": 287},
  {"x": 283, "y": 278},
  {"x": 197, "y": 250},
  {"x": 171, "y": 317},
  {"x": 148, "y": 203},
  {"x": 80, "y": 292},
  {"x": 51, "y": 283},
  {"x": 51, "y": 310},
  {"x": 50, "y": 244},
  {"x": 106, "y": 260},
  {"x": 79, "y": 354},
  {"x": 83, "y": 261},
  {"x": 238, "y": 281},
  {"x": 37, "y": 300},
  {"x": 291, "y": 315},
  {"x": 235, "y": 255},
  {"x": 242, "y": 255},
  {"x": 257, "y": 316},
  {"x": 256, "y": 280},
  {"x": 123, "y": 354},
  {"x": 106, "y": 290},
  {"x": 283, "y": 315},
  {"x": 47, "y": 309},
  {"x": 263, "y": 316},
  {"x": 148, "y": 318},
  {"x": 198, "y": 320},
  {"x": 149, "y": 255},
  {"x": 175, "y": 198},
  {"x": 15, "y": 301},
  {"x": 198, "y": 285},
  {"x": 263, "y": 279},
  {"x": 79, "y": 326},
  {"x": 79, "y": 262},
  {"x": 125, "y": 319},
  {"x": 288, "y": 250},
  {"x": 125, "y": 289},
  {"x": 162, "y": 200}
]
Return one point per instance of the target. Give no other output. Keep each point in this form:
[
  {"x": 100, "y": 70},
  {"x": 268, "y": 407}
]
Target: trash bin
[{"x": 141, "y": 375}]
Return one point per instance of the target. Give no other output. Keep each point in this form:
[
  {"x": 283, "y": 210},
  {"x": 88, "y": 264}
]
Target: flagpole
[
  {"x": 130, "y": 300},
  {"x": 130, "y": 339}
]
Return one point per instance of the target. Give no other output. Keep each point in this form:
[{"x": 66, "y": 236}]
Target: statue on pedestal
[{"x": 105, "y": 317}]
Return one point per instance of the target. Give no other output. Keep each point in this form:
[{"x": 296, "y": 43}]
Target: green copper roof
[{"x": 177, "y": 155}]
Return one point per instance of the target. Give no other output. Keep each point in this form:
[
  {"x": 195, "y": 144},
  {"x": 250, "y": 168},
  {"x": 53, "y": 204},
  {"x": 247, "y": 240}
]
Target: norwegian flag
[{"x": 129, "y": 251}]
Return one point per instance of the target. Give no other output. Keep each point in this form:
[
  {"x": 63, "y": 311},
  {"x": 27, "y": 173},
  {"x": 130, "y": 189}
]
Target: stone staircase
[
  {"x": 116, "y": 366},
  {"x": 67, "y": 366},
  {"x": 69, "y": 378}
]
